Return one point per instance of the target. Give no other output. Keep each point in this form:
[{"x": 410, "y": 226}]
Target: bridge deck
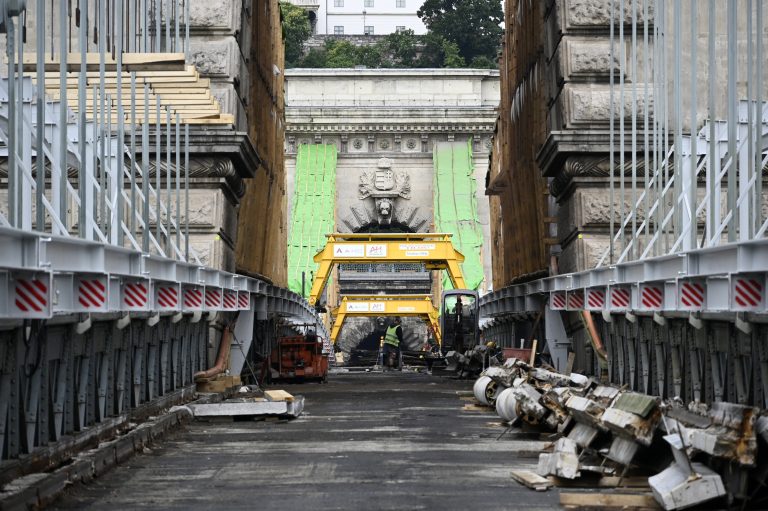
[{"x": 365, "y": 441}]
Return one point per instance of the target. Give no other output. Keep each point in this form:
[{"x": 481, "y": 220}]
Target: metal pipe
[
  {"x": 120, "y": 123},
  {"x": 186, "y": 28},
  {"x": 222, "y": 359},
  {"x": 713, "y": 164},
  {"x": 178, "y": 183},
  {"x": 646, "y": 130},
  {"x": 612, "y": 134},
  {"x": 747, "y": 160},
  {"x": 690, "y": 242},
  {"x": 633, "y": 239},
  {"x": 134, "y": 126},
  {"x": 759, "y": 115},
  {"x": 13, "y": 141},
  {"x": 732, "y": 119},
  {"x": 594, "y": 336},
  {"x": 83, "y": 225},
  {"x": 168, "y": 182},
  {"x": 158, "y": 172},
  {"x": 678, "y": 113},
  {"x": 186, "y": 192},
  {"x": 145, "y": 156},
  {"x": 622, "y": 104},
  {"x": 40, "y": 128}
]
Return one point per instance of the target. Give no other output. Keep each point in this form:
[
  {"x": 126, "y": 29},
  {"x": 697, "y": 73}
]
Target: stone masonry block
[
  {"x": 591, "y": 14},
  {"x": 216, "y": 58},
  {"x": 591, "y": 104},
  {"x": 588, "y": 59},
  {"x": 214, "y": 15}
]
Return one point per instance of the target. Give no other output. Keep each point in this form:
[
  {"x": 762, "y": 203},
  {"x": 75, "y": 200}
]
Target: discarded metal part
[
  {"x": 529, "y": 407},
  {"x": 506, "y": 405},
  {"x": 731, "y": 434},
  {"x": 484, "y": 390},
  {"x": 247, "y": 407},
  {"x": 638, "y": 404},
  {"x": 586, "y": 411},
  {"x": 761, "y": 428},
  {"x": 633, "y": 426},
  {"x": 582, "y": 434},
  {"x": 684, "y": 484},
  {"x": 622, "y": 450},
  {"x": 553, "y": 400},
  {"x": 563, "y": 462}
]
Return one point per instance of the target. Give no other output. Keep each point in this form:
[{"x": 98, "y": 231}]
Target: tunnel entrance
[{"x": 360, "y": 337}]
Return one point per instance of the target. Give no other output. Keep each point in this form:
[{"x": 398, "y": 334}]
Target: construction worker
[{"x": 392, "y": 340}]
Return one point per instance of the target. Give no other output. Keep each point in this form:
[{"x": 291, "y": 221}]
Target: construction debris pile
[
  {"x": 470, "y": 363},
  {"x": 692, "y": 454}
]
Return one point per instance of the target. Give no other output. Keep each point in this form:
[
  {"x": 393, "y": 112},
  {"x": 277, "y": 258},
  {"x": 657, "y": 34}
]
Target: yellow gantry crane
[
  {"x": 434, "y": 249},
  {"x": 386, "y": 305}
]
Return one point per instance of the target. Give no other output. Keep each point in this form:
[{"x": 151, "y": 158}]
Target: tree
[
  {"x": 296, "y": 31},
  {"x": 340, "y": 53},
  {"x": 315, "y": 58},
  {"x": 439, "y": 53},
  {"x": 474, "y": 25},
  {"x": 401, "y": 48}
]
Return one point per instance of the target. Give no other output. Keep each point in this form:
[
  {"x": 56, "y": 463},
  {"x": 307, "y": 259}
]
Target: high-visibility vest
[{"x": 391, "y": 336}]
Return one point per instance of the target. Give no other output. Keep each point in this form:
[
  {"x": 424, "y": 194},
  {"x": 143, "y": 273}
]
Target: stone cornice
[
  {"x": 235, "y": 145},
  {"x": 459, "y": 73},
  {"x": 562, "y": 144},
  {"x": 380, "y": 128}
]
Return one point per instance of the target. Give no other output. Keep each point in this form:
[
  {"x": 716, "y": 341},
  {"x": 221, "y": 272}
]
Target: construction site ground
[{"x": 366, "y": 440}]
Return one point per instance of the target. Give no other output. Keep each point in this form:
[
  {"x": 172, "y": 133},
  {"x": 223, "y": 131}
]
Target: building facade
[
  {"x": 362, "y": 17},
  {"x": 388, "y": 150}
]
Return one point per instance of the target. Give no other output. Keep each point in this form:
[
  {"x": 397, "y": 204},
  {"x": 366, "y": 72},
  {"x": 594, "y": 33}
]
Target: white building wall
[{"x": 384, "y": 16}]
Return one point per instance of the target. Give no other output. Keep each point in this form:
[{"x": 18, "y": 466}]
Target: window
[
  {"x": 369, "y": 3},
  {"x": 338, "y": 30},
  {"x": 400, "y": 28},
  {"x": 369, "y": 30},
  {"x": 338, "y": 3},
  {"x": 400, "y": 3}
]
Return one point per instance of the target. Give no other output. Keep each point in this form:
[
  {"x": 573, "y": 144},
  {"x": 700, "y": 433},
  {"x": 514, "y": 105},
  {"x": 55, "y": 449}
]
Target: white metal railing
[
  {"x": 726, "y": 157},
  {"x": 113, "y": 199}
]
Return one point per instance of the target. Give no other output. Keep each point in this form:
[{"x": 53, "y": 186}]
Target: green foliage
[
  {"x": 315, "y": 58},
  {"x": 482, "y": 62},
  {"x": 340, "y": 53},
  {"x": 439, "y": 53},
  {"x": 296, "y": 31},
  {"x": 405, "y": 49},
  {"x": 474, "y": 25},
  {"x": 401, "y": 48}
]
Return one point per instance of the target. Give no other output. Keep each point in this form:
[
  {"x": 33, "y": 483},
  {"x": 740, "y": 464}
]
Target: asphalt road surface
[{"x": 399, "y": 441}]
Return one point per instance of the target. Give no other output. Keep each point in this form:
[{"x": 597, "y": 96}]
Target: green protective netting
[
  {"x": 456, "y": 207},
  {"x": 312, "y": 212}
]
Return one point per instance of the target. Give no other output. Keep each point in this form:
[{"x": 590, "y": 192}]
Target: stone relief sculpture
[{"x": 384, "y": 185}]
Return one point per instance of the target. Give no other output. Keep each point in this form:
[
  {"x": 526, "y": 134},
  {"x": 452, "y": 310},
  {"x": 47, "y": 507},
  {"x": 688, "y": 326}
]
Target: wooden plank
[
  {"x": 278, "y": 395},
  {"x": 130, "y": 62},
  {"x": 602, "y": 482},
  {"x": 531, "y": 480},
  {"x": 220, "y": 384},
  {"x": 593, "y": 500},
  {"x": 533, "y": 352},
  {"x": 476, "y": 408}
]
